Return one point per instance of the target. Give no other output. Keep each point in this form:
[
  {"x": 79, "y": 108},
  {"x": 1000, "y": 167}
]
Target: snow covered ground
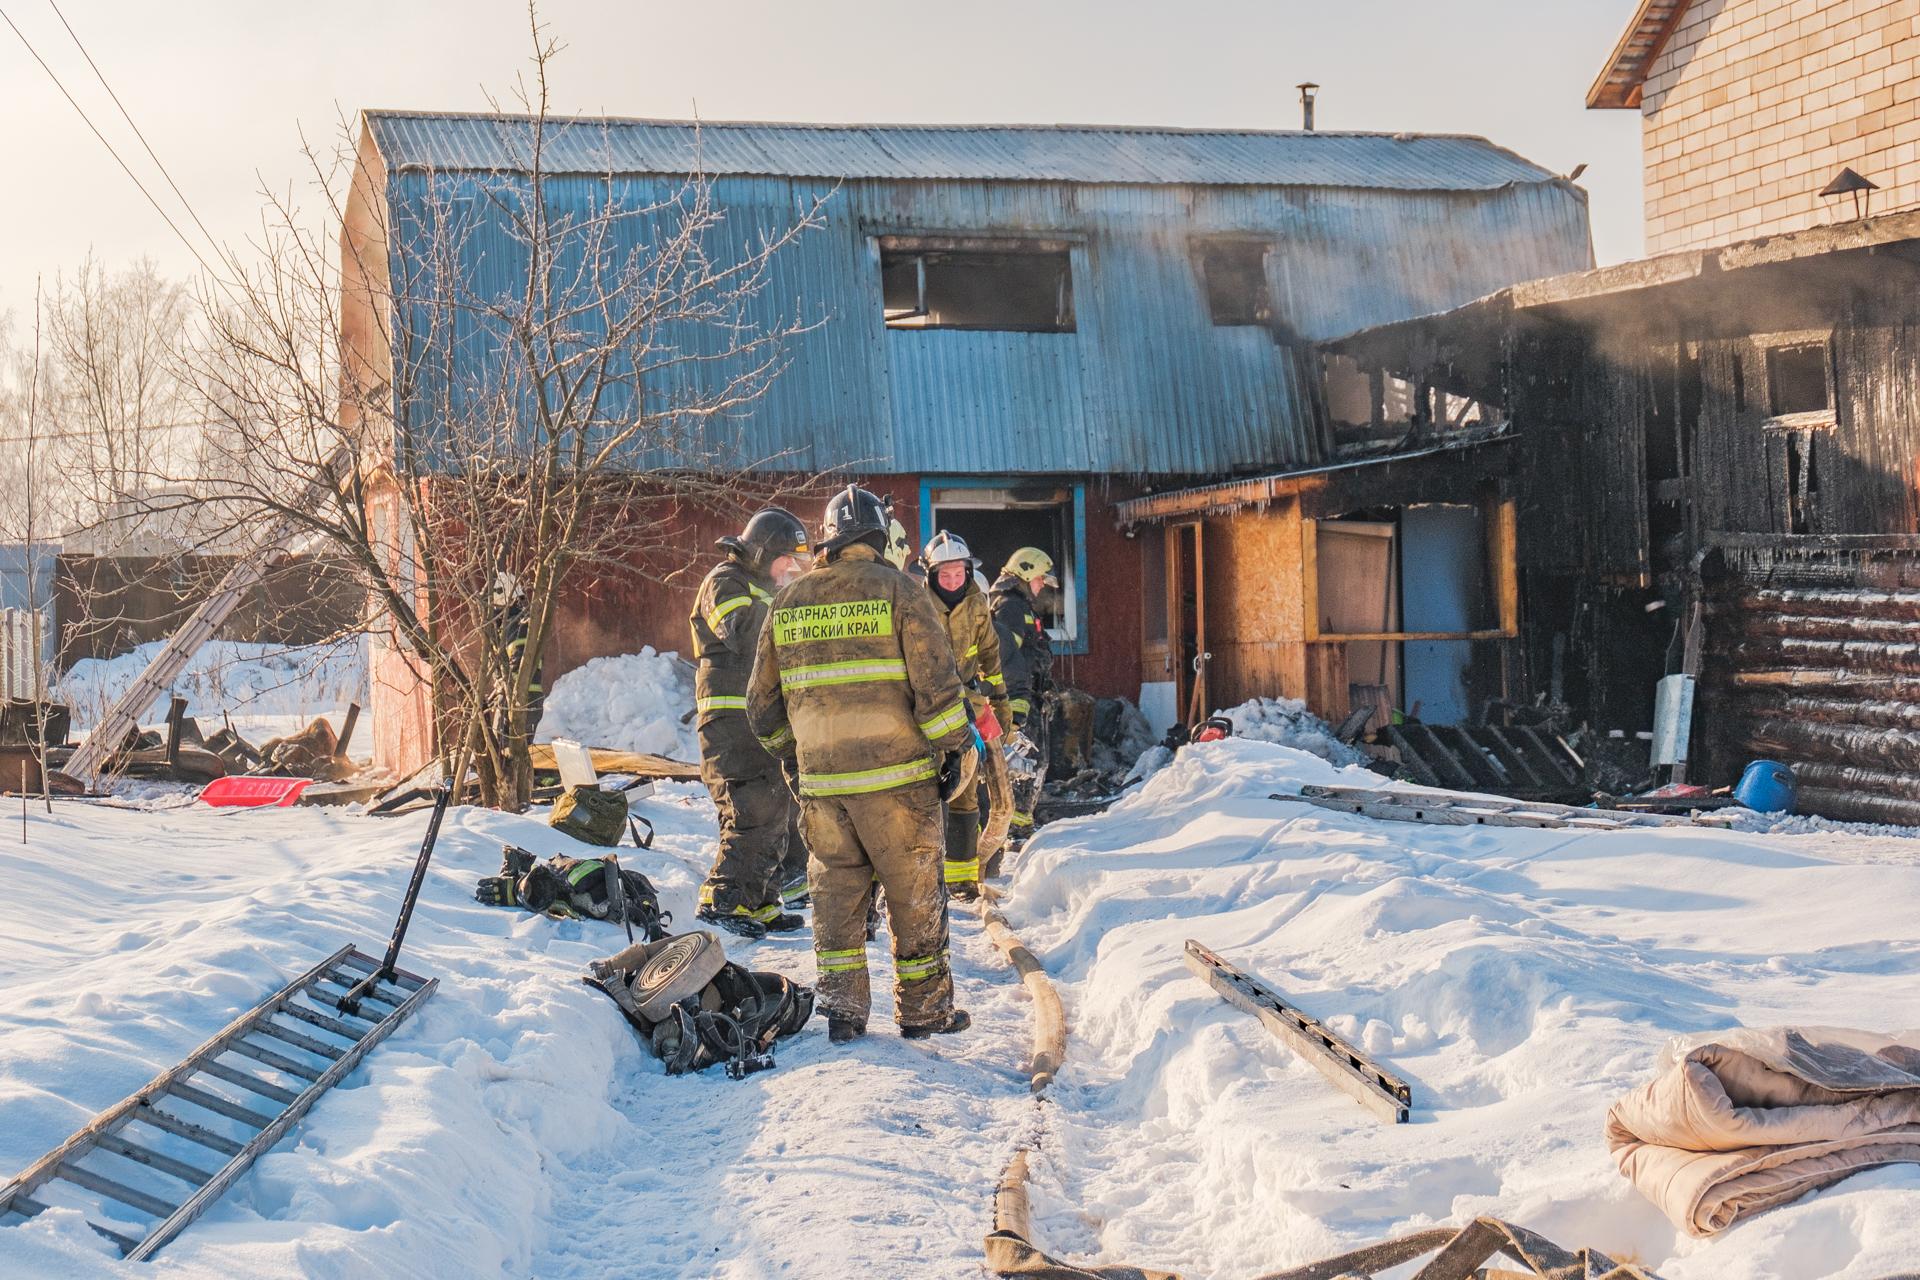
[
  {"x": 515, "y": 1126},
  {"x": 1520, "y": 979}
]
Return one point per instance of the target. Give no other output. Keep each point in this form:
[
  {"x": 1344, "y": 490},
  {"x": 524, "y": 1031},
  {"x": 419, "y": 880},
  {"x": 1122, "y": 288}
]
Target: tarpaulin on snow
[{"x": 1757, "y": 1117}]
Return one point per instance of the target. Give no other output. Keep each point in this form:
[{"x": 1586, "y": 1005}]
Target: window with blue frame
[{"x": 998, "y": 515}]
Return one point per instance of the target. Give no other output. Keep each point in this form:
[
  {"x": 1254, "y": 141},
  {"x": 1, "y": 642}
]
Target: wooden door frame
[{"x": 1190, "y": 685}]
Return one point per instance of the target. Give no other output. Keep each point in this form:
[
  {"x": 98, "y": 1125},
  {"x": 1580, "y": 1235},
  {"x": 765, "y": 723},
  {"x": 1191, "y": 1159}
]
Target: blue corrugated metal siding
[
  {"x": 1007, "y": 153},
  {"x": 1146, "y": 385}
]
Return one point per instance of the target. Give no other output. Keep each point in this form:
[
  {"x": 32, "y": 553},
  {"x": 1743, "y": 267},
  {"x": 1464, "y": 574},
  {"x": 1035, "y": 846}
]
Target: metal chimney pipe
[{"x": 1307, "y": 90}]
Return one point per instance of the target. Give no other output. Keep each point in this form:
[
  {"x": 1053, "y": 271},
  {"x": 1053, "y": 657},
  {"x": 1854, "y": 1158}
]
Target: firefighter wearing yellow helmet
[
  {"x": 761, "y": 865},
  {"x": 854, "y": 689},
  {"x": 1026, "y": 659},
  {"x": 976, "y": 652}
]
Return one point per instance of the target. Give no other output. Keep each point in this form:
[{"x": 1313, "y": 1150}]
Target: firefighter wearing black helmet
[
  {"x": 761, "y": 860},
  {"x": 855, "y": 688}
]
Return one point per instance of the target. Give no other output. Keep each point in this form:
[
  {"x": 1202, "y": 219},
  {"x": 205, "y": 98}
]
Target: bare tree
[{"x": 555, "y": 417}]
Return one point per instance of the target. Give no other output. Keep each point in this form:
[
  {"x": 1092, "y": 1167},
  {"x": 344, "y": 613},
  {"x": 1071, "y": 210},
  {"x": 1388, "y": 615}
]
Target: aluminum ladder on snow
[
  {"x": 1461, "y": 809},
  {"x": 288, "y": 1050},
  {"x": 89, "y": 760}
]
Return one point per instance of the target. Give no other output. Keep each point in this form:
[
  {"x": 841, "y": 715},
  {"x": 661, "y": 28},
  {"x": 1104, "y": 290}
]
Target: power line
[
  {"x": 133, "y": 177},
  {"x": 124, "y": 115}
]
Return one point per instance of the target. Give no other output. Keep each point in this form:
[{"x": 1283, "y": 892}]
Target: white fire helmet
[
  {"x": 945, "y": 547},
  {"x": 506, "y": 589}
]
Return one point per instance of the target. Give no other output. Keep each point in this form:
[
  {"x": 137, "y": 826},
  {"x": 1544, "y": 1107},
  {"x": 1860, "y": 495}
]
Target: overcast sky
[{"x": 222, "y": 88}]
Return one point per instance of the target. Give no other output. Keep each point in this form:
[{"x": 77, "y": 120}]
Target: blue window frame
[{"x": 1037, "y": 511}]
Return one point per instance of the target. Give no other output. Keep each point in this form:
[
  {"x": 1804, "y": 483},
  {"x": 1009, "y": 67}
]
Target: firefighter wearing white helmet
[
  {"x": 1026, "y": 658},
  {"x": 976, "y": 653}
]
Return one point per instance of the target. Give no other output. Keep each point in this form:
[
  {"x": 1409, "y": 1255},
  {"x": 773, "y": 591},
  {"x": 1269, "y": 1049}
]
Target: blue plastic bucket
[{"x": 1767, "y": 787}]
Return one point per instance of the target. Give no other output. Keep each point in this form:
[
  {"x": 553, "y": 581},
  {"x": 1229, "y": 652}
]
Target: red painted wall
[
  {"x": 606, "y": 611},
  {"x": 617, "y": 613}
]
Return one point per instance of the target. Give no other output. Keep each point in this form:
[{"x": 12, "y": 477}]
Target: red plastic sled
[{"x": 253, "y": 793}]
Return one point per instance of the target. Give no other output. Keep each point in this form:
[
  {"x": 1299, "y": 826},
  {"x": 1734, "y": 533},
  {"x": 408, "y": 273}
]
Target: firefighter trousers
[
  {"x": 893, "y": 837},
  {"x": 756, "y": 814}
]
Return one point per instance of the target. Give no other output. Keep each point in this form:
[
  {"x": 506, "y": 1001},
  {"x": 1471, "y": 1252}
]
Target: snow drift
[
  {"x": 1521, "y": 979},
  {"x": 634, "y": 702}
]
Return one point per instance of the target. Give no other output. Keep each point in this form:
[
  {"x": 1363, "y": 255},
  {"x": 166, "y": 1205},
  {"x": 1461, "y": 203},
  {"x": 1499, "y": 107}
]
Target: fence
[{"x": 17, "y": 630}]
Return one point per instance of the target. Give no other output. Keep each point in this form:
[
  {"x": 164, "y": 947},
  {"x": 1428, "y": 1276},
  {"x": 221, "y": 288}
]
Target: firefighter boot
[
  {"x": 962, "y": 866},
  {"x": 840, "y": 1030},
  {"x": 955, "y": 1021}
]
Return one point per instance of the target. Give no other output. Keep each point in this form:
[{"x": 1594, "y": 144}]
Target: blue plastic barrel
[{"x": 1767, "y": 787}]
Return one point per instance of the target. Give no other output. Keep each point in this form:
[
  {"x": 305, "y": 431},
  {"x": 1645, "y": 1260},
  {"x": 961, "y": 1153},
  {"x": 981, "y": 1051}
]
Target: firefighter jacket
[
  {"x": 855, "y": 677},
  {"x": 728, "y": 615},
  {"x": 1026, "y": 652},
  {"x": 514, "y": 629},
  {"x": 976, "y": 651}
]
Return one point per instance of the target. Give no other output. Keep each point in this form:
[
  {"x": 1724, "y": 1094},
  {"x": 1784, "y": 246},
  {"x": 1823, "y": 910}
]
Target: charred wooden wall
[
  {"x": 1813, "y": 659},
  {"x": 1652, "y": 471}
]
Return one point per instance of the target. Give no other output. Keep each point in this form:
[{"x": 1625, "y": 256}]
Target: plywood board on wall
[{"x": 1255, "y": 627}]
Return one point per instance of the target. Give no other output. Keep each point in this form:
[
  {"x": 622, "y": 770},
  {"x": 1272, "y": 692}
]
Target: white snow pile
[
  {"x": 515, "y": 1125},
  {"x": 248, "y": 681},
  {"x": 640, "y": 702},
  {"x": 1520, "y": 979},
  {"x": 1285, "y": 722}
]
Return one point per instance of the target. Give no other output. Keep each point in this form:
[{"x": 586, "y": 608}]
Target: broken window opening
[
  {"x": 1797, "y": 380},
  {"x": 1349, "y": 394},
  {"x": 1019, "y": 286},
  {"x": 1235, "y": 272},
  {"x": 996, "y": 520}
]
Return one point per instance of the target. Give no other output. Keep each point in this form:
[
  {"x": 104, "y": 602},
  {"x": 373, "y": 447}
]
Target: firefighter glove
[
  {"x": 498, "y": 891},
  {"x": 958, "y": 771}
]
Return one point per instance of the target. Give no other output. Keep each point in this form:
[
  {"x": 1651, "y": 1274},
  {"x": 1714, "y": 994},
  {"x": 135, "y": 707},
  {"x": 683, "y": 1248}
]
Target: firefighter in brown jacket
[
  {"x": 758, "y": 857},
  {"x": 854, "y": 688},
  {"x": 976, "y": 652}
]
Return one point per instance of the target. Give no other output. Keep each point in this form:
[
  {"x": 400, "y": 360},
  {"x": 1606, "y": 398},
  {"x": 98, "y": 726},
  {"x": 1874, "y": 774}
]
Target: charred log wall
[{"x": 1813, "y": 659}]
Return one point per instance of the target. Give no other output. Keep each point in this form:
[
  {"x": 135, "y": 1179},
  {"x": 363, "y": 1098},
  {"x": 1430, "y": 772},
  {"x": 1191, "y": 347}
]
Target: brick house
[{"x": 1750, "y": 107}]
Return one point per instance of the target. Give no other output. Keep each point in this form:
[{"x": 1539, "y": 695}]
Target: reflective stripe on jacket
[
  {"x": 854, "y": 675},
  {"x": 1024, "y": 646},
  {"x": 976, "y": 649},
  {"x": 728, "y": 613}
]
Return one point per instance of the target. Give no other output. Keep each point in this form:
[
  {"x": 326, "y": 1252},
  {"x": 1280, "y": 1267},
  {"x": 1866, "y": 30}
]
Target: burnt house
[
  {"x": 1016, "y": 330},
  {"x": 1725, "y": 436}
]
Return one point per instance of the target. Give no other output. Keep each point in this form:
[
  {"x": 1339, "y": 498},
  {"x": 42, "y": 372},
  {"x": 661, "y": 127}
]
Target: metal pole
[{"x": 350, "y": 1002}]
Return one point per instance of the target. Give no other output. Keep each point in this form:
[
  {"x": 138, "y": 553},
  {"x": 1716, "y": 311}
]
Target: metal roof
[
  {"x": 1121, "y": 155},
  {"x": 1625, "y": 280}
]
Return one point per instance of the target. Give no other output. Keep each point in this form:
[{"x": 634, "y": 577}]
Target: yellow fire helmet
[
  {"x": 1029, "y": 563},
  {"x": 899, "y": 550}
]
